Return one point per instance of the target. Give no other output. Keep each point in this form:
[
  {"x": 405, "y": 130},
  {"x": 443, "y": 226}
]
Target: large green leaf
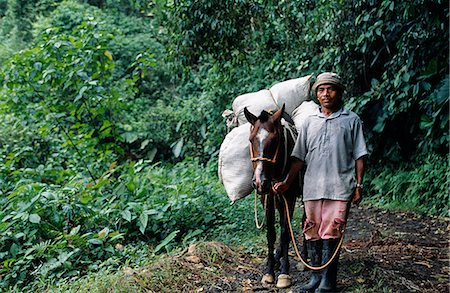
[{"x": 166, "y": 241}]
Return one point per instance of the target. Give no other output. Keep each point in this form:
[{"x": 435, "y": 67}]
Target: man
[{"x": 331, "y": 145}]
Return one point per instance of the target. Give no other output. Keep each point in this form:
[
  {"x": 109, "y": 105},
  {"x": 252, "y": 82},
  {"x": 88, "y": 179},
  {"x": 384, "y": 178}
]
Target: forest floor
[{"x": 383, "y": 251}]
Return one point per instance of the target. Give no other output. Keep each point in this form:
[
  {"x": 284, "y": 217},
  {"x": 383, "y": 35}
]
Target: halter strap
[{"x": 273, "y": 160}]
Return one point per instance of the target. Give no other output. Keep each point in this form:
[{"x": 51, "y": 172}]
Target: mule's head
[{"x": 265, "y": 141}]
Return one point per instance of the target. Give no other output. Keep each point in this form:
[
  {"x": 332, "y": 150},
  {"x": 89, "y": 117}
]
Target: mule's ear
[
  {"x": 276, "y": 117},
  {"x": 250, "y": 117}
]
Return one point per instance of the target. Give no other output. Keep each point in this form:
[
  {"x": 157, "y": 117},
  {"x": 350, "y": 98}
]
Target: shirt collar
[{"x": 341, "y": 111}]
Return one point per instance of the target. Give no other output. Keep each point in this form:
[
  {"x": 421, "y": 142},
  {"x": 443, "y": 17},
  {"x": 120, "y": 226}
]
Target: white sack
[
  {"x": 306, "y": 109},
  {"x": 291, "y": 92},
  {"x": 235, "y": 166},
  {"x": 255, "y": 103}
]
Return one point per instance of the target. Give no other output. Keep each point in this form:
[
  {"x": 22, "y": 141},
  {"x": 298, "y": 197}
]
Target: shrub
[
  {"x": 50, "y": 231},
  {"x": 420, "y": 185}
]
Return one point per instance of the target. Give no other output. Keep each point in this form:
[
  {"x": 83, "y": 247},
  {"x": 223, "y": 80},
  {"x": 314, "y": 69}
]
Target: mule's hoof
[
  {"x": 268, "y": 279},
  {"x": 284, "y": 281}
]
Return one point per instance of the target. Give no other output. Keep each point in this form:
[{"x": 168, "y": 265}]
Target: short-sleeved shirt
[{"x": 329, "y": 146}]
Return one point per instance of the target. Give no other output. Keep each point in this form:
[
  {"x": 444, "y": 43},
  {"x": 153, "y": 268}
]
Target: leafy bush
[
  {"x": 66, "y": 89},
  {"x": 61, "y": 231},
  {"x": 380, "y": 48},
  {"x": 420, "y": 186},
  {"x": 100, "y": 92}
]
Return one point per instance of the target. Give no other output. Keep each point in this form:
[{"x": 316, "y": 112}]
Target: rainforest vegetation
[{"x": 111, "y": 118}]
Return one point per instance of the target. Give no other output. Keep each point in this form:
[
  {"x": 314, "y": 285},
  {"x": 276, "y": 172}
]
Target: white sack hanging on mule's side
[{"x": 235, "y": 165}]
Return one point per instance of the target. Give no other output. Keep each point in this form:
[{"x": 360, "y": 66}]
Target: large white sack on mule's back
[
  {"x": 306, "y": 109},
  {"x": 291, "y": 93},
  {"x": 235, "y": 165},
  {"x": 255, "y": 102}
]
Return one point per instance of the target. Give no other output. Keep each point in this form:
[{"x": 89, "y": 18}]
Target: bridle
[{"x": 273, "y": 160}]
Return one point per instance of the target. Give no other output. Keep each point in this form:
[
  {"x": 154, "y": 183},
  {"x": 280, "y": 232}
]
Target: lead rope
[
  {"x": 273, "y": 99},
  {"x": 338, "y": 247},
  {"x": 259, "y": 226},
  {"x": 285, "y": 149}
]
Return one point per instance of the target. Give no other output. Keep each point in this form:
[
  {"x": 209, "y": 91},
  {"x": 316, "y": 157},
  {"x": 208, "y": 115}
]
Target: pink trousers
[{"x": 324, "y": 218}]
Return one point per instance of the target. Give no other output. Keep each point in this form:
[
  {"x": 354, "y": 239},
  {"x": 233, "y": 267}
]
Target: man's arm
[
  {"x": 296, "y": 167},
  {"x": 359, "y": 168}
]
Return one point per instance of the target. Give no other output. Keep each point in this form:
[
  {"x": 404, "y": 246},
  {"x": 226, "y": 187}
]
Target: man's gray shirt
[{"x": 329, "y": 146}]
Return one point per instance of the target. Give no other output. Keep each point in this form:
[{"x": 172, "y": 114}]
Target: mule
[{"x": 270, "y": 148}]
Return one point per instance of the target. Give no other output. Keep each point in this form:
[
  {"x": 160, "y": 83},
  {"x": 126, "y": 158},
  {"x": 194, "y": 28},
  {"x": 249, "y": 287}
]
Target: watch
[{"x": 359, "y": 185}]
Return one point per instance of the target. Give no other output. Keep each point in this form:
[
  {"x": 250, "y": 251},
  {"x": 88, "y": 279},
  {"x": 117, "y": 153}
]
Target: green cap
[{"x": 328, "y": 78}]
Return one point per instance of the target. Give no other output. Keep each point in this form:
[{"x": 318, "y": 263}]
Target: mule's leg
[
  {"x": 278, "y": 255},
  {"x": 279, "y": 249},
  {"x": 284, "y": 239},
  {"x": 284, "y": 280},
  {"x": 281, "y": 210},
  {"x": 269, "y": 277}
]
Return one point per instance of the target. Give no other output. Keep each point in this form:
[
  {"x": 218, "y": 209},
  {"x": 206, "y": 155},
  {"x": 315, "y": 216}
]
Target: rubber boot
[
  {"x": 329, "y": 274},
  {"x": 315, "y": 253}
]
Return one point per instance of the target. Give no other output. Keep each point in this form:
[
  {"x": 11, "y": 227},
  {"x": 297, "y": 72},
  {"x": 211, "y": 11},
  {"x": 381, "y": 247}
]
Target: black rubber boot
[
  {"x": 315, "y": 253},
  {"x": 329, "y": 275}
]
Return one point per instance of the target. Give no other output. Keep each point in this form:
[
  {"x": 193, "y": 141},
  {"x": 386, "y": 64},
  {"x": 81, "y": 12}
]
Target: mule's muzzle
[{"x": 262, "y": 187}]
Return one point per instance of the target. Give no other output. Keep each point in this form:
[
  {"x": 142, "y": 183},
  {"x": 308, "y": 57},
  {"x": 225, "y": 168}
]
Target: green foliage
[
  {"x": 131, "y": 7},
  {"x": 19, "y": 12},
  {"x": 62, "y": 231},
  {"x": 375, "y": 45},
  {"x": 3, "y": 7},
  {"x": 101, "y": 99},
  {"x": 210, "y": 27},
  {"x": 420, "y": 186},
  {"x": 380, "y": 48},
  {"x": 67, "y": 90},
  {"x": 16, "y": 23},
  {"x": 45, "y": 235},
  {"x": 126, "y": 7},
  {"x": 434, "y": 121},
  {"x": 403, "y": 74}
]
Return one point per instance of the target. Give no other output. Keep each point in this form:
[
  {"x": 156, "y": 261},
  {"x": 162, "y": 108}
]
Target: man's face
[{"x": 328, "y": 96}]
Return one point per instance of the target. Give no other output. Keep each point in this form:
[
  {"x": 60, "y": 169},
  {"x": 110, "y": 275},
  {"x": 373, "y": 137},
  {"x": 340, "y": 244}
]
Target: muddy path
[{"x": 383, "y": 251}]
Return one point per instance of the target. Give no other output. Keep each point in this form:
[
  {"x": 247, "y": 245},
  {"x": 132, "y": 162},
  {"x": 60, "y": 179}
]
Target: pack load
[
  {"x": 291, "y": 93},
  {"x": 301, "y": 112},
  {"x": 235, "y": 166}
]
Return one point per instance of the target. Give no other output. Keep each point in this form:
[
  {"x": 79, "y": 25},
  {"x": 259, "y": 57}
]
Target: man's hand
[
  {"x": 280, "y": 187},
  {"x": 357, "y": 196},
  {"x": 296, "y": 167},
  {"x": 359, "y": 168}
]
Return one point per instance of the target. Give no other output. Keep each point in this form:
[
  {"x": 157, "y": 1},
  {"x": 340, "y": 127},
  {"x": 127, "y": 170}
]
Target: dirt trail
[{"x": 383, "y": 251}]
